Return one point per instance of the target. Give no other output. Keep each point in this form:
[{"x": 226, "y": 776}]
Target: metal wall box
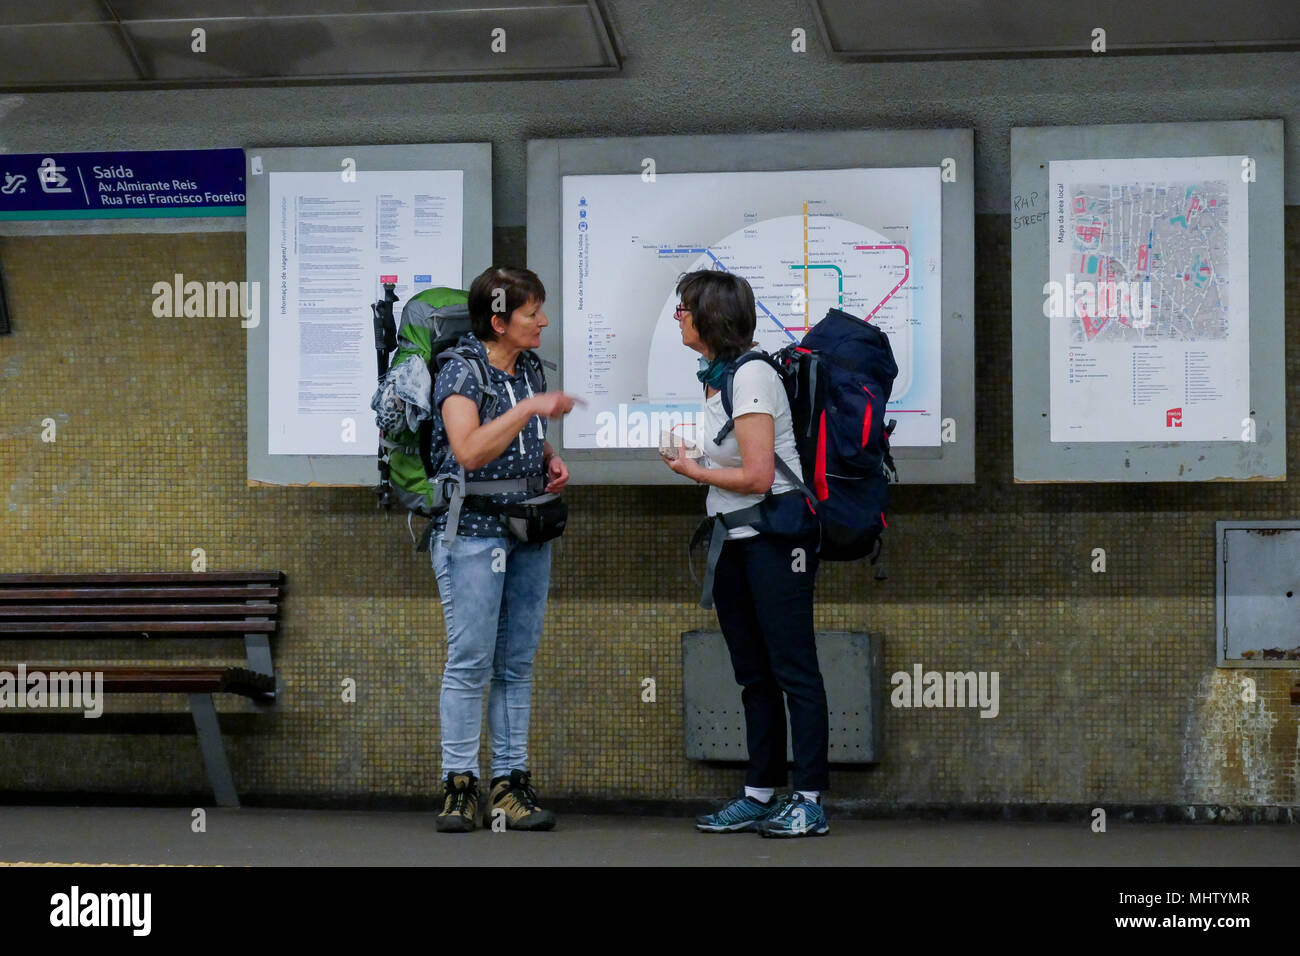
[
  {"x": 1258, "y": 593},
  {"x": 852, "y": 668}
]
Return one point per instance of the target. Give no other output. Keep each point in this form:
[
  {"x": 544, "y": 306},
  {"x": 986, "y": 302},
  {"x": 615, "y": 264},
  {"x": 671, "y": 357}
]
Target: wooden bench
[{"x": 158, "y": 605}]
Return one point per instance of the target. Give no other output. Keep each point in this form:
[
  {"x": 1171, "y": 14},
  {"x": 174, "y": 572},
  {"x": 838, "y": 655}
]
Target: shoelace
[
  {"x": 524, "y": 793},
  {"x": 734, "y": 811},
  {"x": 787, "y": 807},
  {"x": 459, "y": 797}
]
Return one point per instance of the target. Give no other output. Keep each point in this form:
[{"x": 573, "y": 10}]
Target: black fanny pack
[{"x": 537, "y": 519}]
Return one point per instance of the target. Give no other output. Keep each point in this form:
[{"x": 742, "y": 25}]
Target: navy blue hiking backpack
[{"x": 838, "y": 380}]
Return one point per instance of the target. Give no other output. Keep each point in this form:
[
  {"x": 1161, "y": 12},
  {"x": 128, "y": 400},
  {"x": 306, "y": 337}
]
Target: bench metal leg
[
  {"x": 257, "y": 647},
  {"x": 214, "y": 751}
]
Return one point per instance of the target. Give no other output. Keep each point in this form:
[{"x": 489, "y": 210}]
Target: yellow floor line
[{"x": 26, "y": 863}]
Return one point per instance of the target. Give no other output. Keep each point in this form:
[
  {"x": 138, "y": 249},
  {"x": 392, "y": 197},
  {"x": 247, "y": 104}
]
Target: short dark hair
[
  {"x": 722, "y": 307},
  {"x": 521, "y": 286}
]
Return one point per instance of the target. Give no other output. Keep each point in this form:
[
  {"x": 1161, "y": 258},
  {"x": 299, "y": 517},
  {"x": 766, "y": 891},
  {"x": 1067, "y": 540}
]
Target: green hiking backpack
[{"x": 414, "y": 467}]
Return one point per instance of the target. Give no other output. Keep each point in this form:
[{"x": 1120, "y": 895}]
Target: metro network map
[
  {"x": 1148, "y": 299},
  {"x": 863, "y": 240}
]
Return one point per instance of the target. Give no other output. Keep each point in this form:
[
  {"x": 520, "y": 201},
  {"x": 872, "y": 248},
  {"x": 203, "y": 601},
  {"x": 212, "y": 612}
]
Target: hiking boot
[
  {"x": 459, "y": 805},
  {"x": 795, "y": 817},
  {"x": 515, "y": 797},
  {"x": 740, "y": 815}
]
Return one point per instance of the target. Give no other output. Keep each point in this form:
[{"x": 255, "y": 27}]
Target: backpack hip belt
[
  {"x": 455, "y": 489},
  {"x": 723, "y": 522}
]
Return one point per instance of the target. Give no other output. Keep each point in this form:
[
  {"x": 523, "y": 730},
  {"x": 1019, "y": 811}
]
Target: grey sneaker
[
  {"x": 741, "y": 815},
  {"x": 795, "y": 817}
]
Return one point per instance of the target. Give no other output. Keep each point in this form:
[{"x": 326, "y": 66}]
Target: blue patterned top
[{"x": 522, "y": 458}]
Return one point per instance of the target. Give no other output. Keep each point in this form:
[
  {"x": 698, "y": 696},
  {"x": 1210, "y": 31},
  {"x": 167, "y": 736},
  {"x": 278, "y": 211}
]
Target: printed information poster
[
  {"x": 333, "y": 245},
  {"x": 863, "y": 240},
  {"x": 1148, "y": 300}
]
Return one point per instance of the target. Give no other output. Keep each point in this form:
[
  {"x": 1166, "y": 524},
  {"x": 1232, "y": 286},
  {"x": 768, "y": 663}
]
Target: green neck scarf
[{"x": 712, "y": 373}]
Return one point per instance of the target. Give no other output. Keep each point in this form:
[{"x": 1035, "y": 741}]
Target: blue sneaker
[
  {"x": 740, "y": 815},
  {"x": 795, "y": 817}
]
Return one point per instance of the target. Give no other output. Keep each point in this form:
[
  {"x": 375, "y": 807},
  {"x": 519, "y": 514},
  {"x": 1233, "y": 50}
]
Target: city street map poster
[{"x": 1148, "y": 299}]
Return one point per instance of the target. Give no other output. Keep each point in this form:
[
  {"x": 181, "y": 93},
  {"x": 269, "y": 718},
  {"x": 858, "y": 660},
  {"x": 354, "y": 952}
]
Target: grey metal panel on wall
[
  {"x": 549, "y": 160},
  {"x": 1257, "y": 597},
  {"x": 1037, "y": 457},
  {"x": 474, "y": 159},
  {"x": 852, "y": 669},
  {"x": 132, "y": 44}
]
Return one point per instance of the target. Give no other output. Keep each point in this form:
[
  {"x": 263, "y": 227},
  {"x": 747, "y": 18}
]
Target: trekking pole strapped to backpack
[{"x": 385, "y": 342}]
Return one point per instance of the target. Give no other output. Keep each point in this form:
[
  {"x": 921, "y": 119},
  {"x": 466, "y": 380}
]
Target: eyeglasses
[{"x": 677, "y": 313}]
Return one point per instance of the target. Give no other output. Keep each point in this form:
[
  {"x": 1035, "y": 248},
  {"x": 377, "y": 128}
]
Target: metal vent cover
[
  {"x": 1258, "y": 593},
  {"x": 851, "y": 665}
]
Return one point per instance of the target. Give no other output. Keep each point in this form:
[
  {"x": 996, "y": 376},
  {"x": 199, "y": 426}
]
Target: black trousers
[{"x": 763, "y": 593}]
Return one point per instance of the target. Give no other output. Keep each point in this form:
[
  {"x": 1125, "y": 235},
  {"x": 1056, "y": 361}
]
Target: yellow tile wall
[{"x": 1108, "y": 689}]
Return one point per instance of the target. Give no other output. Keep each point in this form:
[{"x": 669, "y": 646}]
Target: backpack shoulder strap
[
  {"x": 476, "y": 366},
  {"x": 534, "y": 370},
  {"x": 728, "y": 378}
]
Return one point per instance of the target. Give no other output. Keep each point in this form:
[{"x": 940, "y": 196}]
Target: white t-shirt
[{"x": 755, "y": 389}]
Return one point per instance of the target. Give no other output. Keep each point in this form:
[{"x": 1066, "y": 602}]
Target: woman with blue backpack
[{"x": 765, "y": 571}]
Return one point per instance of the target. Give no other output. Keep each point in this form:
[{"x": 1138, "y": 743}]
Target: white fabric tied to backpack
[{"x": 404, "y": 400}]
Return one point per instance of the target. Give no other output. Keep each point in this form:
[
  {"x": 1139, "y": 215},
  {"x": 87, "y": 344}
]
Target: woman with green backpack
[{"x": 492, "y": 581}]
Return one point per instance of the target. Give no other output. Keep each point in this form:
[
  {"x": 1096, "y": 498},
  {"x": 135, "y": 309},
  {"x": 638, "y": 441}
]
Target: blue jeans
[{"x": 493, "y": 600}]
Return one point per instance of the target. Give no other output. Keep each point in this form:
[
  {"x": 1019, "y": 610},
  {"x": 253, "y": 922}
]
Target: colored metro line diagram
[
  {"x": 864, "y": 241},
  {"x": 866, "y": 279},
  {"x": 839, "y": 275},
  {"x": 808, "y": 317}
]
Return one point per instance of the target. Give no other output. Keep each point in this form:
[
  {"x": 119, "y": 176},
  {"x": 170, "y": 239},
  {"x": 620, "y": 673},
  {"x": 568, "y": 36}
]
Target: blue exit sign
[{"x": 156, "y": 183}]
